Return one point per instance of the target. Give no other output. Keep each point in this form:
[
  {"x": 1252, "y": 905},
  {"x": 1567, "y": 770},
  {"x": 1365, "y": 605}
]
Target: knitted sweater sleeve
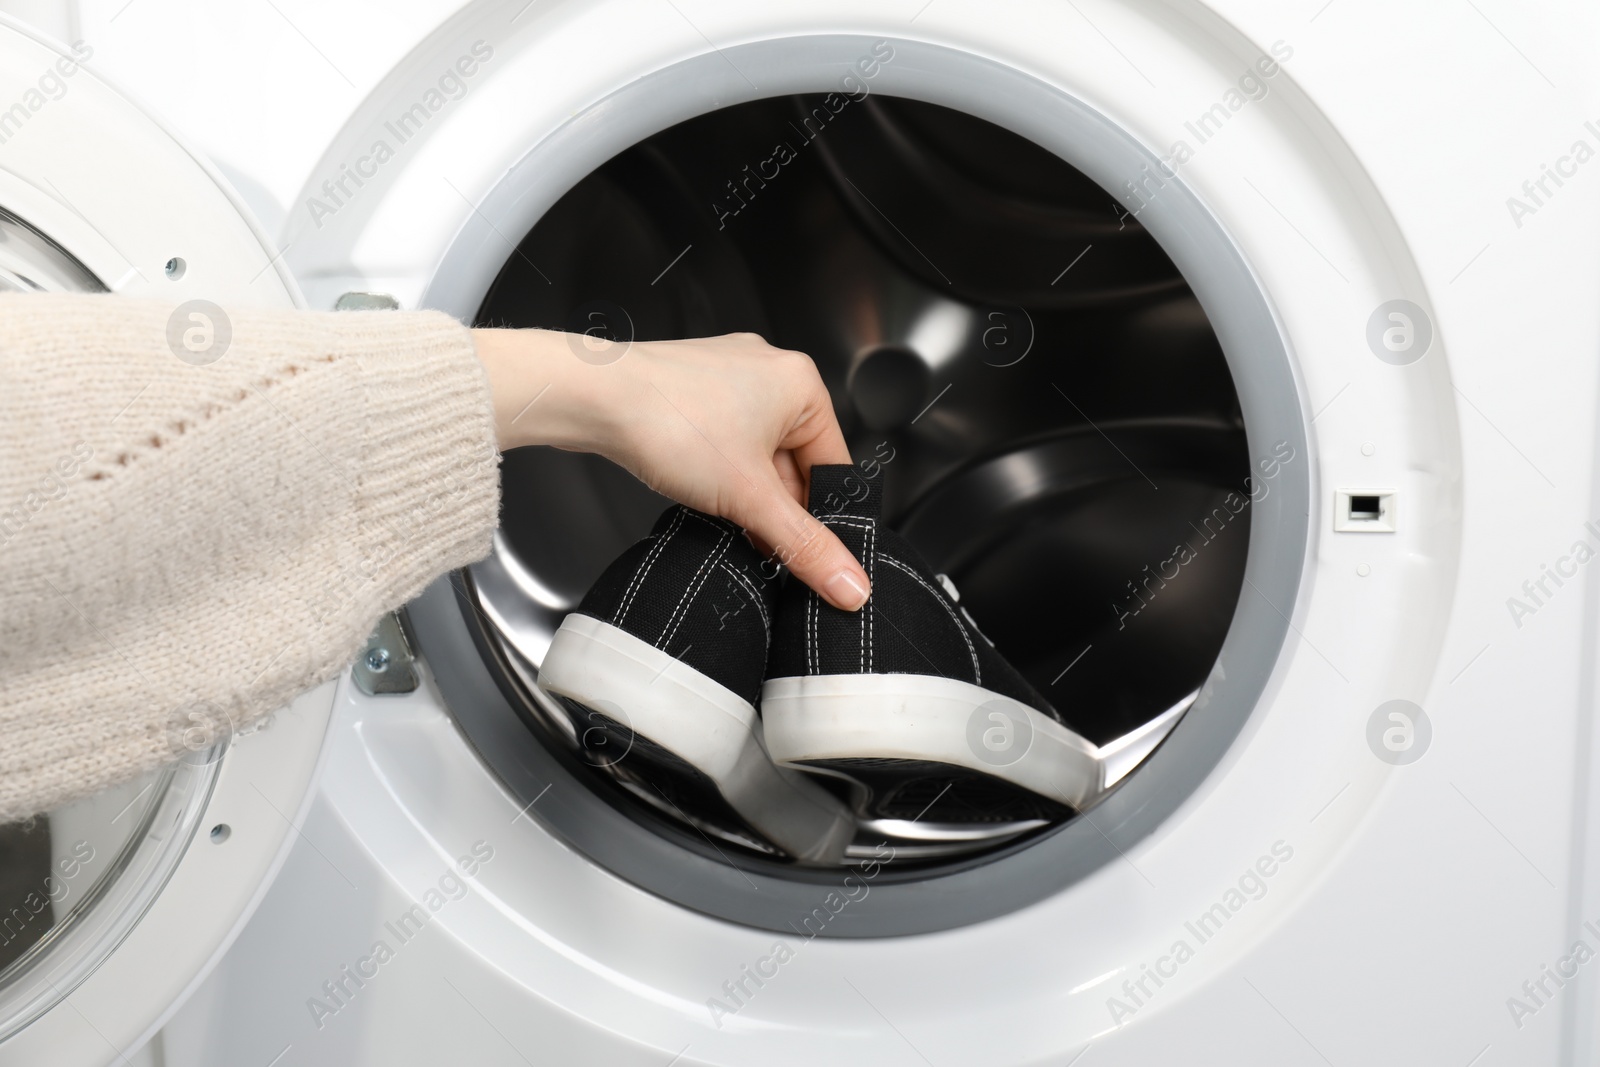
[{"x": 184, "y": 548}]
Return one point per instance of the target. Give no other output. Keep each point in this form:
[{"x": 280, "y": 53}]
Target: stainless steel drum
[{"x": 1057, "y": 425}]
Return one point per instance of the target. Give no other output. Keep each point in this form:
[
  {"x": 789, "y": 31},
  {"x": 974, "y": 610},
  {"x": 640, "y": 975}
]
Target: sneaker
[
  {"x": 664, "y": 658},
  {"x": 908, "y": 689}
]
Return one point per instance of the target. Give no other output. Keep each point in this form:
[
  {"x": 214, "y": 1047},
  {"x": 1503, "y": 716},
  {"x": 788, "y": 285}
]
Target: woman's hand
[{"x": 727, "y": 425}]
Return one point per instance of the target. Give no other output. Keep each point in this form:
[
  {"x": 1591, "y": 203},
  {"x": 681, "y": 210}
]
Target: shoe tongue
[{"x": 846, "y": 489}]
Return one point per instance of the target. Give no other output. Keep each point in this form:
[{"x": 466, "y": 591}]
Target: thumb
[{"x": 809, "y": 549}]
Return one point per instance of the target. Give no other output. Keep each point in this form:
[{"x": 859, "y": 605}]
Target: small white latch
[{"x": 1364, "y": 510}]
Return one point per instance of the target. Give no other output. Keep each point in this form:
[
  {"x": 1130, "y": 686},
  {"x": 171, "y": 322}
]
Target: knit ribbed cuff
[{"x": 429, "y": 493}]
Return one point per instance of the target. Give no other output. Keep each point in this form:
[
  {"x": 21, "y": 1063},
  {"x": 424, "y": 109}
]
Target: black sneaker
[
  {"x": 908, "y": 689},
  {"x": 665, "y": 656}
]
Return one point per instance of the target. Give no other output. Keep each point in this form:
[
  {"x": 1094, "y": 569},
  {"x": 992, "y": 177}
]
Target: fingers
[
  {"x": 818, "y": 439},
  {"x": 785, "y": 424},
  {"x": 790, "y": 474},
  {"x": 809, "y": 549}
]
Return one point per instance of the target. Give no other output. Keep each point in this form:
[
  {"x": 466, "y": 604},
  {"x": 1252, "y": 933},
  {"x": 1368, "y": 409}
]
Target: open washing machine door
[{"x": 115, "y": 906}]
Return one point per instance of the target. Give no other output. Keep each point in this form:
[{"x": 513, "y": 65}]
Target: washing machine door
[{"x": 113, "y": 908}]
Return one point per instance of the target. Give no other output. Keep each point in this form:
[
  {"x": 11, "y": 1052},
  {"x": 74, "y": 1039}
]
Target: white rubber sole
[
  {"x": 919, "y": 717},
  {"x": 703, "y": 723}
]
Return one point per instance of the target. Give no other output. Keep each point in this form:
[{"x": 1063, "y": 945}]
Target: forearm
[
  {"x": 545, "y": 393},
  {"x": 212, "y": 540}
]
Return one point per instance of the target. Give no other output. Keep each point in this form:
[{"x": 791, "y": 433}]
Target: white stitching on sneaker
[
  {"x": 707, "y": 565},
  {"x": 811, "y": 633},
  {"x": 863, "y": 668},
  {"x": 814, "y": 603},
  {"x": 710, "y": 522},
  {"x": 870, "y": 551},
  {"x": 650, "y": 558},
  {"x": 755, "y": 594},
  {"x": 977, "y": 672},
  {"x": 869, "y": 542}
]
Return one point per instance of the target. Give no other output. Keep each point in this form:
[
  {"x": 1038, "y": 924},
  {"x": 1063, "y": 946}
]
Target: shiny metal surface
[
  {"x": 1049, "y": 405},
  {"x": 32, "y": 263}
]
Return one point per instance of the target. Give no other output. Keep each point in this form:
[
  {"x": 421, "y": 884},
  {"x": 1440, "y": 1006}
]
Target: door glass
[{"x": 75, "y": 880}]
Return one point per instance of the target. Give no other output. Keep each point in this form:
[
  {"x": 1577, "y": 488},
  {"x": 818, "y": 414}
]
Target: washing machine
[{"x": 1235, "y": 361}]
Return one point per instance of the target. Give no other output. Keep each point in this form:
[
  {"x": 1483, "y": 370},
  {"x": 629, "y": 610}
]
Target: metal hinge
[
  {"x": 386, "y": 665},
  {"x": 366, "y": 302}
]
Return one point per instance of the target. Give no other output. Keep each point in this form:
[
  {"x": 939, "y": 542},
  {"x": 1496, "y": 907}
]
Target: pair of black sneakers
[{"x": 691, "y": 630}]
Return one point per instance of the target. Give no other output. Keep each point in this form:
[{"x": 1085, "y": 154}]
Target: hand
[{"x": 727, "y": 425}]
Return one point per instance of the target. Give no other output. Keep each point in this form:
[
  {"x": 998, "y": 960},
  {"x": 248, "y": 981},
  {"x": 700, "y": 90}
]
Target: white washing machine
[{"x": 1237, "y": 361}]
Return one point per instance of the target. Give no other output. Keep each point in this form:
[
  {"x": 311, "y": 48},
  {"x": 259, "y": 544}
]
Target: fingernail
[{"x": 847, "y": 590}]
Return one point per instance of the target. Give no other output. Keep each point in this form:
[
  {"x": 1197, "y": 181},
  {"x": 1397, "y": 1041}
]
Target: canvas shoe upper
[
  {"x": 664, "y": 660},
  {"x": 908, "y": 689}
]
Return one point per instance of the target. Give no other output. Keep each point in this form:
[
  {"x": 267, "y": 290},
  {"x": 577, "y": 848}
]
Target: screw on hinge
[{"x": 386, "y": 665}]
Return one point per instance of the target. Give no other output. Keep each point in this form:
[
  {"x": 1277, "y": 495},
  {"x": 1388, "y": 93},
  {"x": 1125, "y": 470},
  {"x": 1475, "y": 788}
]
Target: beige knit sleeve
[{"x": 187, "y": 547}]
